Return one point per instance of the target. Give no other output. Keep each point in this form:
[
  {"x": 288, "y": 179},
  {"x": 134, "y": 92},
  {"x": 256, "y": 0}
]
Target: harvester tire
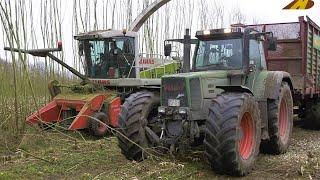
[
  {"x": 233, "y": 134},
  {"x": 311, "y": 119},
  {"x": 138, "y": 113},
  {"x": 98, "y": 124},
  {"x": 280, "y": 122},
  {"x": 46, "y": 127}
]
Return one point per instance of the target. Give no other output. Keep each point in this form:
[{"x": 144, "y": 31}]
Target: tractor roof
[{"x": 103, "y": 34}]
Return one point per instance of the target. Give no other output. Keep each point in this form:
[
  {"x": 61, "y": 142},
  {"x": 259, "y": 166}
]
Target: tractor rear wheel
[
  {"x": 233, "y": 133},
  {"x": 280, "y": 119},
  {"x": 137, "y": 119},
  {"x": 98, "y": 124}
]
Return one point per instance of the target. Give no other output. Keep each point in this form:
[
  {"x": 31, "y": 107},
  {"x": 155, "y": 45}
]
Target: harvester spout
[
  {"x": 146, "y": 13},
  {"x": 48, "y": 53}
]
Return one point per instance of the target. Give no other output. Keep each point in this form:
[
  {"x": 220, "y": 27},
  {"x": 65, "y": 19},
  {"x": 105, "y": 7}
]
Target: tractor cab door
[{"x": 257, "y": 62}]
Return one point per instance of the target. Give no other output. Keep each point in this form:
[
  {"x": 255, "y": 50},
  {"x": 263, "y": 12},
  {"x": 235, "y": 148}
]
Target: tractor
[
  {"x": 113, "y": 68},
  {"x": 230, "y": 104}
]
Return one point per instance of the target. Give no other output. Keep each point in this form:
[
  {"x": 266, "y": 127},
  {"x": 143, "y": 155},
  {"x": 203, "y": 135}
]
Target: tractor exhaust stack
[{"x": 186, "y": 51}]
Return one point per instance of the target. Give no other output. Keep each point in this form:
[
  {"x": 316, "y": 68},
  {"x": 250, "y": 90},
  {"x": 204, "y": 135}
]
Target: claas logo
[{"x": 300, "y": 5}]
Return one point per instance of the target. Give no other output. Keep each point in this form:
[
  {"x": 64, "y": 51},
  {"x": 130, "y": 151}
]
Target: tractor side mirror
[
  {"x": 167, "y": 49},
  {"x": 272, "y": 44},
  {"x": 80, "y": 50}
]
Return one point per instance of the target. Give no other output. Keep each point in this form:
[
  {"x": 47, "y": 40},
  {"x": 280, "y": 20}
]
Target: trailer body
[{"x": 298, "y": 52}]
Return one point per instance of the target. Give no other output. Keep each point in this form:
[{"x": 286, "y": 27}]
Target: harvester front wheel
[
  {"x": 137, "y": 117},
  {"x": 233, "y": 131},
  {"x": 280, "y": 119},
  {"x": 98, "y": 124},
  {"x": 46, "y": 126}
]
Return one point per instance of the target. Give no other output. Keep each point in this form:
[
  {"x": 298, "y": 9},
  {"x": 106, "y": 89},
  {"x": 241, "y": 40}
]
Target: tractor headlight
[
  {"x": 183, "y": 111},
  {"x": 227, "y": 30},
  {"x": 162, "y": 110},
  {"x": 206, "y": 32}
]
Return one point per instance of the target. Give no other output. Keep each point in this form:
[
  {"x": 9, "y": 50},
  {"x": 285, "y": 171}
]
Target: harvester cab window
[
  {"x": 110, "y": 58},
  {"x": 97, "y": 51},
  {"x": 219, "y": 54}
]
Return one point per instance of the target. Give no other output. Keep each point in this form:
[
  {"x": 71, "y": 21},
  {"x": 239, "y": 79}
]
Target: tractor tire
[
  {"x": 280, "y": 122},
  {"x": 311, "y": 119},
  {"x": 97, "y": 124},
  {"x": 233, "y": 134},
  {"x": 137, "y": 115}
]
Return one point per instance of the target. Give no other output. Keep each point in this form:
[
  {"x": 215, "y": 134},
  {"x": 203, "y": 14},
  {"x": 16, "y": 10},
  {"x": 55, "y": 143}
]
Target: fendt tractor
[
  {"x": 237, "y": 99},
  {"x": 114, "y": 69}
]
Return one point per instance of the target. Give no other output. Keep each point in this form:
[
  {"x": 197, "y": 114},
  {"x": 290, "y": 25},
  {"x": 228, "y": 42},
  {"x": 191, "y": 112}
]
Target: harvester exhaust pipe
[{"x": 186, "y": 51}]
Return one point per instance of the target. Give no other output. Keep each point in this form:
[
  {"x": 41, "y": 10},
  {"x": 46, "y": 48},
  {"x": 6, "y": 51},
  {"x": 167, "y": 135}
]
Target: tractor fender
[
  {"x": 268, "y": 84},
  {"x": 241, "y": 89}
]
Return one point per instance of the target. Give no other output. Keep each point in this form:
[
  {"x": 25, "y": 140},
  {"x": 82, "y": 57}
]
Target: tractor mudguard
[
  {"x": 268, "y": 84},
  {"x": 242, "y": 89}
]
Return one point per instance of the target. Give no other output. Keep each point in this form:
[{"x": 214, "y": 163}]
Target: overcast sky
[
  {"x": 264, "y": 11},
  {"x": 270, "y": 11}
]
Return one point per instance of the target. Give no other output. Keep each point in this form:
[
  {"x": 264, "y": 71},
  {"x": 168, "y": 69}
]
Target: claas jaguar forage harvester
[{"x": 114, "y": 70}]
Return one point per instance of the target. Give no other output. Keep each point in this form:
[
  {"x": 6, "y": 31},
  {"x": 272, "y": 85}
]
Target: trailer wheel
[
  {"x": 137, "y": 119},
  {"x": 280, "y": 119},
  {"x": 233, "y": 133},
  {"x": 98, "y": 128},
  {"x": 311, "y": 119}
]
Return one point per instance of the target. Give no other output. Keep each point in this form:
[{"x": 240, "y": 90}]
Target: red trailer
[{"x": 298, "y": 52}]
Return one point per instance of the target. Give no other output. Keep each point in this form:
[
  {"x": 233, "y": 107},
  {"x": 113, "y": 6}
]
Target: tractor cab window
[
  {"x": 219, "y": 55},
  {"x": 254, "y": 52},
  {"x": 109, "y": 58}
]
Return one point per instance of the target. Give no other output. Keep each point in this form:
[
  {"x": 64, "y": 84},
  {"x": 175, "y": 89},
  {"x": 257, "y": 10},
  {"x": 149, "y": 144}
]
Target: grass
[{"x": 52, "y": 155}]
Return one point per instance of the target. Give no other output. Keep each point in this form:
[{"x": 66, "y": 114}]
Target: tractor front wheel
[
  {"x": 233, "y": 131},
  {"x": 138, "y": 119}
]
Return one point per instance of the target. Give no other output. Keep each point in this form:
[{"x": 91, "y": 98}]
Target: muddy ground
[{"x": 57, "y": 155}]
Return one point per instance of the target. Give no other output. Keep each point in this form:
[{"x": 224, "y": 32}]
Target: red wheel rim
[
  {"x": 246, "y": 142},
  {"x": 283, "y": 120}
]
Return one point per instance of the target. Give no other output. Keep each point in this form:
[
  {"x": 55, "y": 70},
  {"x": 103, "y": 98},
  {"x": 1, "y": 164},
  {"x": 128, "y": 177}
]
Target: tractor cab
[
  {"x": 108, "y": 54},
  {"x": 231, "y": 49}
]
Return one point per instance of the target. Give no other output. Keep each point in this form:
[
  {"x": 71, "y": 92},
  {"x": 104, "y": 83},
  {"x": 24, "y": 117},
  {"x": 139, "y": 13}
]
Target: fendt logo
[{"x": 300, "y": 5}]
